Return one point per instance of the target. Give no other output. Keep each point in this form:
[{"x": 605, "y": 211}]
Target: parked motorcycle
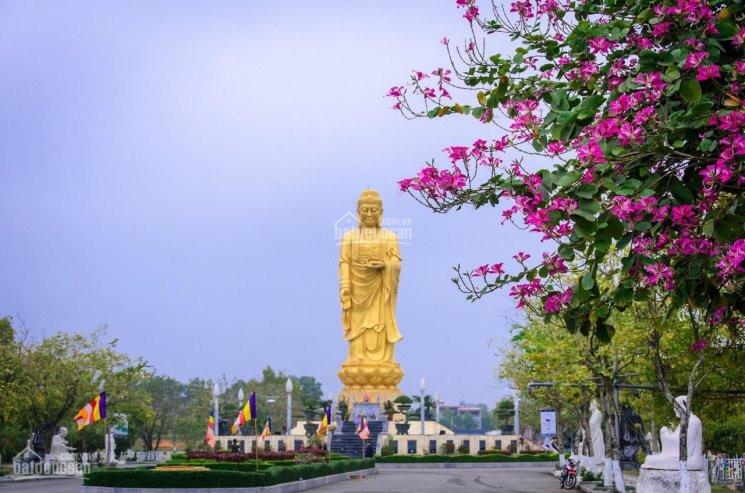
[{"x": 568, "y": 478}]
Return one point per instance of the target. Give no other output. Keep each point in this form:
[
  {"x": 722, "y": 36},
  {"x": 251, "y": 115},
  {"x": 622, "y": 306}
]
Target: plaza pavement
[{"x": 527, "y": 480}]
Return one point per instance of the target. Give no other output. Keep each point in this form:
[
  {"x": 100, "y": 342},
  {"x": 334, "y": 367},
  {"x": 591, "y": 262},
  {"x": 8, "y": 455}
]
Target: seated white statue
[
  {"x": 59, "y": 448},
  {"x": 668, "y": 458}
]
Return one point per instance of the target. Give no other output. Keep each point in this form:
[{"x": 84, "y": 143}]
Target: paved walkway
[{"x": 527, "y": 480}]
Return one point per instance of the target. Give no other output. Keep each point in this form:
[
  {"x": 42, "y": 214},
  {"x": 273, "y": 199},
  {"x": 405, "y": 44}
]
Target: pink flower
[
  {"x": 739, "y": 38},
  {"x": 395, "y": 92},
  {"x": 694, "y": 59},
  {"x": 740, "y": 67},
  {"x": 708, "y": 72},
  {"x": 700, "y": 345},
  {"x": 553, "y": 303},
  {"x": 716, "y": 173},
  {"x": 471, "y": 13},
  {"x": 521, "y": 257},
  {"x": 556, "y": 148},
  {"x": 661, "y": 28},
  {"x": 457, "y": 153},
  {"x": 480, "y": 271},
  {"x": 628, "y": 134},
  {"x": 659, "y": 272},
  {"x": 405, "y": 184},
  {"x": 683, "y": 215},
  {"x": 445, "y": 41},
  {"x": 496, "y": 269},
  {"x": 599, "y": 45}
]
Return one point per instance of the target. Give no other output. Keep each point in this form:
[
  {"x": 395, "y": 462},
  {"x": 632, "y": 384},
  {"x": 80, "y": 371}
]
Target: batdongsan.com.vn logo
[{"x": 401, "y": 226}]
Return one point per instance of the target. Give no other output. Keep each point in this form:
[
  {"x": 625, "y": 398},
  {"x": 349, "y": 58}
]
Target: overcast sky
[{"x": 175, "y": 170}]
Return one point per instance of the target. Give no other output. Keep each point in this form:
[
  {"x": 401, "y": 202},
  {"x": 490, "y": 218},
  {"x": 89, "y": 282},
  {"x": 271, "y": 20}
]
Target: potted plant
[
  {"x": 403, "y": 404},
  {"x": 389, "y": 409},
  {"x": 343, "y": 408}
]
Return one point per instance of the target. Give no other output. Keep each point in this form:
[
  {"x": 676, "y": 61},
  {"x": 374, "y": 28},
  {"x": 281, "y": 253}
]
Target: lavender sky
[{"x": 175, "y": 170}]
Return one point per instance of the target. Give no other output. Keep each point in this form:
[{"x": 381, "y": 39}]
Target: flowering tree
[{"x": 638, "y": 107}]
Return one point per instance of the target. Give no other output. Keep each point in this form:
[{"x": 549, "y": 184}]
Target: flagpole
[
  {"x": 256, "y": 434},
  {"x": 106, "y": 439}
]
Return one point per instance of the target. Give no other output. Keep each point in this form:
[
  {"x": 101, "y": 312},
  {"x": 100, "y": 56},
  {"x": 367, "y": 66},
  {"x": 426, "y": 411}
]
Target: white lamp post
[
  {"x": 288, "y": 389},
  {"x": 516, "y": 431},
  {"x": 437, "y": 407},
  {"x": 216, "y": 394},
  {"x": 422, "y": 388},
  {"x": 240, "y": 404}
]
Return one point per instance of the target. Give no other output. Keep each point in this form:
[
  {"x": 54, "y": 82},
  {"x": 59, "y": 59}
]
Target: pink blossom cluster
[
  {"x": 435, "y": 183},
  {"x": 555, "y": 301}
]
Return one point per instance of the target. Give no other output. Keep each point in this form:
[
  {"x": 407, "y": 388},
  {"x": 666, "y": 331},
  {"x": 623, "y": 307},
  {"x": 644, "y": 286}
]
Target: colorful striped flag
[
  {"x": 246, "y": 414},
  {"x": 324, "y": 423},
  {"x": 267, "y": 429},
  {"x": 211, "y": 430},
  {"x": 93, "y": 411},
  {"x": 363, "y": 432}
]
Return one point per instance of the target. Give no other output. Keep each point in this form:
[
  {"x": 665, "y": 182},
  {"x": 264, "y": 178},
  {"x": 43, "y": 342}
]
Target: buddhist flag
[
  {"x": 324, "y": 423},
  {"x": 246, "y": 414},
  {"x": 211, "y": 430},
  {"x": 92, "y": 412},
  {"x": 267, "y": 429},
  {"x": 363, "y": 432}
]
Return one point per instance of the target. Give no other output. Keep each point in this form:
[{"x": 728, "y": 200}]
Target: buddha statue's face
[{"x": 369, "y": 214}]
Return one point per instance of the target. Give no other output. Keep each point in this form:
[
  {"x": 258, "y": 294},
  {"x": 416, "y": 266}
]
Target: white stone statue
[
  {"x": 596, "y": 434},
  {"x": 663, "y": 471},
  {"x": 59, "y": 449}
]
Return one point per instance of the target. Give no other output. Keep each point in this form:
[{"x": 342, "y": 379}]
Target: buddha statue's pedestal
[{"x": 374, "y": 381}]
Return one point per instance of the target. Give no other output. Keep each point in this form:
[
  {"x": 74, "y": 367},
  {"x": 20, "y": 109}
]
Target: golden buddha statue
[{"x": 369, "y": 267}]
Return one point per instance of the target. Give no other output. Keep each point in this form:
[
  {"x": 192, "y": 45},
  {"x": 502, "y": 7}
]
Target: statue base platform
[
  {"x": 667, "y": 480},
  {"x": 370, "y": 382},
  {"x": 369, "y": 396}
]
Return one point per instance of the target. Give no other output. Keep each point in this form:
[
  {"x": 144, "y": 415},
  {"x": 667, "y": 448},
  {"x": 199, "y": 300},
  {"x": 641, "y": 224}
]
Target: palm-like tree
[{"x": 429, "y": 405}]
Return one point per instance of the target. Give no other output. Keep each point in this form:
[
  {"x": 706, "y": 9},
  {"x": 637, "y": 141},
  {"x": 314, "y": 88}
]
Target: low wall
[
  {"x": 468, "y": 465},
  {"x": 422, "y": 444}
]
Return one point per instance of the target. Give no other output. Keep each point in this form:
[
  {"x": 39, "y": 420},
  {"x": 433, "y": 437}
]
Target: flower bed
[
  {"x": 433, "y": 458},
  {"x": 143, "y": 477},
  {"x": 243, "y": 457}
]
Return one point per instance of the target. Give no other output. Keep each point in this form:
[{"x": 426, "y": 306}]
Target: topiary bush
[{"x": 238, "y": 475}]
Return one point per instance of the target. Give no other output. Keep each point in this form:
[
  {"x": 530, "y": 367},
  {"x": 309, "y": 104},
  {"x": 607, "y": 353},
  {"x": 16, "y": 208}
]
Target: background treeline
[{"x": 43, "y": 384}]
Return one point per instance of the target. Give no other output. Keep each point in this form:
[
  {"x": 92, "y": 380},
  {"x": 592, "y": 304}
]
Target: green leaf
[
  {"x": 690, "y": 90},
  {"x": 566, "y": 252},
  {"x": 584, "y": 228},
  {"x": 568, "y": 179},
  {"x": 588, "y": 281},
  {"x": 681, "y": 193}
]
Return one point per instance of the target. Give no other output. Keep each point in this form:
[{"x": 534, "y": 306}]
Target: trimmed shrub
[
  {"x": 149, "y": 478},
  {"x": 221, "y": 475},
  {"x": 403, "y": 459}
]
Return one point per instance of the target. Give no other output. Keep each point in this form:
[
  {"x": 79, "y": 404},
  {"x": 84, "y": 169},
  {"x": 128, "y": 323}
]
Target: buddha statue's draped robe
[{"x": 370, "y": 323}]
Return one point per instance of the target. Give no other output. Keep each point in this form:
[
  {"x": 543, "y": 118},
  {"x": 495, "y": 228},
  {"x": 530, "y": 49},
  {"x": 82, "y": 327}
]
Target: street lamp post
[
  {"x": 216, "y": 394},
  {"x": 288, "y": 389},
  {"x": 516, "y": 431},
  {"x": 240, "y": 404},
  {"x": 437, "y": 407},
  {"x": 422, "y": 388}
]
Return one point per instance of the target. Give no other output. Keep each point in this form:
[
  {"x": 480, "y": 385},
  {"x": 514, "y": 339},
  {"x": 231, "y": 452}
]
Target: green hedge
[
  {"x": 408, "y": 459},
  {"x": 226, "y": 466},
  {"x": 218, "y": 477}
]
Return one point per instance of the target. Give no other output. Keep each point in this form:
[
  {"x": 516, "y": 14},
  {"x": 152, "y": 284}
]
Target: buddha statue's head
[
  {"x": 63, "y": 432},
  {"x": 682, "y": 404},
  {"x": 369, "y": 209}
]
